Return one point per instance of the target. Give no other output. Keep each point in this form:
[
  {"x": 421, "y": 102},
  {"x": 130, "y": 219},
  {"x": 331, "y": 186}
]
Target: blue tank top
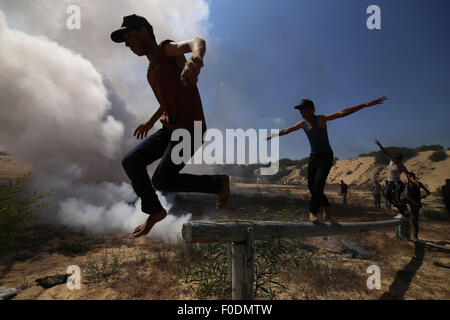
[{"x": 318, "y": 137}]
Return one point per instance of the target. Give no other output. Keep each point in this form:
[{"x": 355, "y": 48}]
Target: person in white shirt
[{"x": 396, "y": 186}]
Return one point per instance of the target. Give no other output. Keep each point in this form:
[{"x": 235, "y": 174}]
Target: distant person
[
  {"x": 413, "y": 198},
  {"x": 344, "y": 189},
  {"x": 174, "y": 83},
  {"x": 445, "y": 192},
  {"x": 384, "y": 190},
  {"x": 396, "y": 186},
  {"x": 376, "y": 191},
  {"x": 321, "y": 156}
]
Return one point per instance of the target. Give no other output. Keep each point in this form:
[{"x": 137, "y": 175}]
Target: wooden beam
[
  {"x": 236, "y": 231},
  {"x": 242, "y": 274}
]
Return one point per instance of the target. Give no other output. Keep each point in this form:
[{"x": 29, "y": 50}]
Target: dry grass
[{"x": 147, "y": 282}]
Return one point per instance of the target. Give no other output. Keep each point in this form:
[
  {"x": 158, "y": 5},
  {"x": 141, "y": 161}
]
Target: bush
[
  {"x": 204, "y": 267},
  {"x": 17, "y": 209},
  {"x": 302, "y": 162},
  {"x": 433, "y": 147},
  {"x": 438, "y": 155},
  {"x": 394, "y": 152}
]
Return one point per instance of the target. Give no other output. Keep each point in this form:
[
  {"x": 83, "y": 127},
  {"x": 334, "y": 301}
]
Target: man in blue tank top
[{"x": 321, "y": 157}]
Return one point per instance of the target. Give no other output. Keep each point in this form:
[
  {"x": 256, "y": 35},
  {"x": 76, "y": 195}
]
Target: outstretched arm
[
  {"x": 191, "y": 70},
  {"x": 285, "y": 131},
  {"x": 399, "y": 165},
  {"x": 347, "y": 111},
  {"x": 424, "y": 188},
  {"x": 384, "y": 151}
]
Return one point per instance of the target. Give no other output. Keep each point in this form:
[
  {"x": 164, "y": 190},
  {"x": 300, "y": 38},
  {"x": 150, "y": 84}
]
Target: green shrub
[
  {"x": 17, "y": 209},
  {"x": 302, "y": 162},
  {"x": 433, "y": 147},
  {"x": 204, "y": 267},
  {"x": 393, "y": 151},
  {"x": 304, "y": 172},
  {"x": 438, "y": 155}
]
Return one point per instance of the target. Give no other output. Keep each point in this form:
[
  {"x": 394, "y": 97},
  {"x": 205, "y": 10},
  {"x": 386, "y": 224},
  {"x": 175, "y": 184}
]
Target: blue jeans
[{"x": 167, "y": 177}]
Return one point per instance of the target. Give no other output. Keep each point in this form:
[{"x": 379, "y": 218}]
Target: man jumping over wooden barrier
[
  {"x": 174, "y": 83},
  {"x": 321, "y": 157}
]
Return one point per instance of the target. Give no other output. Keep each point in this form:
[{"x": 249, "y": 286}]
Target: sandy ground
[
  {"x": 362, "y": 170},
  {"x": 409, "y": 270}
]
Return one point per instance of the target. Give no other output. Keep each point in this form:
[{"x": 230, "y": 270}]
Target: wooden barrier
[{"x": 242, "y": 234}]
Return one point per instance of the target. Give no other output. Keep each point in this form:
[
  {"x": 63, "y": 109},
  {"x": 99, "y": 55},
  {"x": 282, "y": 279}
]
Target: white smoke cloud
[
  {"x": 53, "y": 102},
  {"x": 61, "y": 93},
  {"x": 120, "y": 217},
  {"x": 176, "y": 19}
]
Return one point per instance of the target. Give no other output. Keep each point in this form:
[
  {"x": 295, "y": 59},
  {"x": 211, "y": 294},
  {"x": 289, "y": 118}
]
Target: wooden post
[
  {"x": 243, "y": 233},
  {"x": 242, "y": 271},
  {"x": 403, "y": 230},
  {"x": 229, "y": 262}
]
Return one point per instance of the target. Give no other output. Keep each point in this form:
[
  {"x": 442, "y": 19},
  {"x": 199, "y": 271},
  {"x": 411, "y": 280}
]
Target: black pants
[
  {"x": 415, "y": 206},
  {"x": 394, "y": 193},
  {"x": 167, "y": 177},
  {"x": 319, "y": 166}
]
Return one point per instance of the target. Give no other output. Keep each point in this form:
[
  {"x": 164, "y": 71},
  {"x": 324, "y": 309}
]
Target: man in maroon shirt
[{"x": 174, "y": 83}]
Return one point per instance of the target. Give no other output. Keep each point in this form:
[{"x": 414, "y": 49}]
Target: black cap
[
  {"x": 130, "y": 22},
  {"x": 305, "y": 103}
]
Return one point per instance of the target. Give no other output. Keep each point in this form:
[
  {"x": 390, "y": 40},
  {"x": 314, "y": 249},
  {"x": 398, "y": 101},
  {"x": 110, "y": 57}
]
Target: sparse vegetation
[
  {"x": 438, "y": 155},
  {"x": 18, "y": 208},
  {"x": 435, "y": 214},
  {"x": 394, "y": 152},
  {"x": 433, "y": 147},
  {"x": 73, "y": 248},
  {"x": 103, "y": 267},
  {"x": 204, "y": 268}
]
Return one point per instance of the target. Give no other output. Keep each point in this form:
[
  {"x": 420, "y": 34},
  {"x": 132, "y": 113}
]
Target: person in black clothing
[
  {"x": 344, "y": 189},
  {"x": 445, "y": 192},
  {"x": 376, "y": 191},
  {"x": 413, "y": 198}
]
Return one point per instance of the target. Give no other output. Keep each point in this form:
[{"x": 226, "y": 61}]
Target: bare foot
[
  {"x": 145, "y": 228},
  {"x": 224, "y": 194},
  {"x": 313, "y": 218}
]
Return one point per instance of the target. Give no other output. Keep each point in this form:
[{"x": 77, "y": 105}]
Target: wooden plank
[
  {"x": 236, "y": 231},
  {"x": 242, "y": 270}
]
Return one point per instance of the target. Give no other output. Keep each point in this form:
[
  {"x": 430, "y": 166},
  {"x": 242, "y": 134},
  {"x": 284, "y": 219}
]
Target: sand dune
[{"x": 361, "y": 171}]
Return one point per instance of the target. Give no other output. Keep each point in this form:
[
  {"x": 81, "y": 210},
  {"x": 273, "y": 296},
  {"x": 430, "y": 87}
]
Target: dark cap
[
  {"x": 130, "y": 22},
  {"x": 305, "y": 103}
]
